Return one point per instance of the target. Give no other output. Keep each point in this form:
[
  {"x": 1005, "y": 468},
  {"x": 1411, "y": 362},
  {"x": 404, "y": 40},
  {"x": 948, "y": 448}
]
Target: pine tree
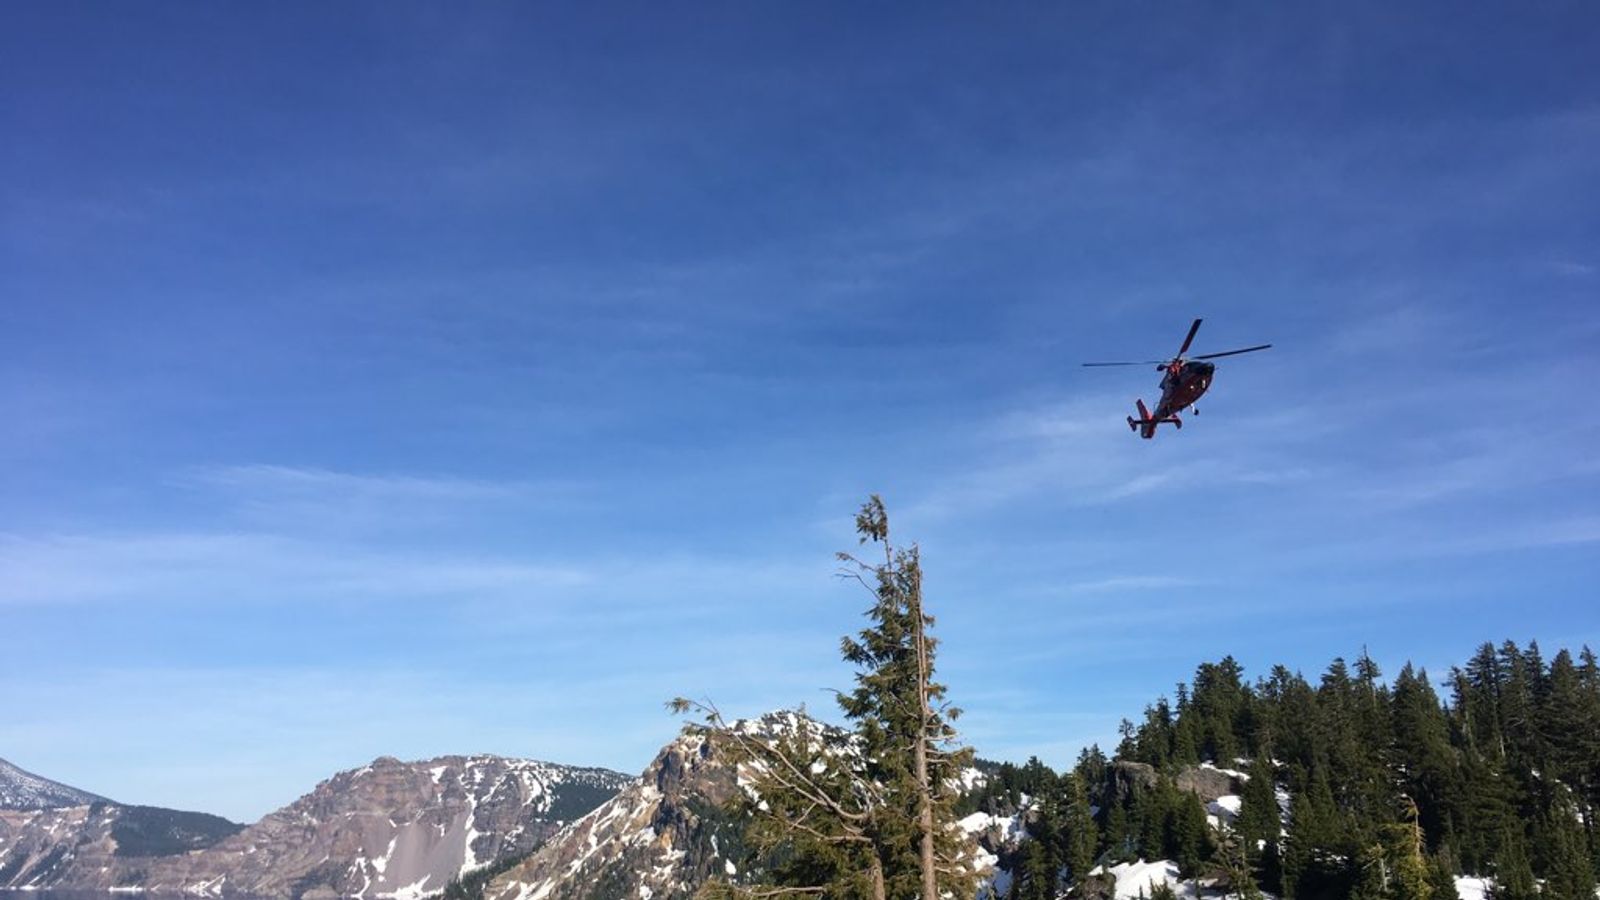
[
  {"x": 1187, "y": 835},
  {"x": 1082, "y": 836},
  {"x": 1219, "y": 701},
  {"x": 1153, "y": 744},
  {"x": 1407, "y": 848},
  {"x": 1517, "y": 706},
  {"x": 1185, "y": 744},
  {"x": 1423, "y": 756},
  {"x": 1478, "y": 701},
  {"x": 1231, "y": 868},
  {"x": 1318, "y": 839},
  {"x": 1148, "y": 813},
  {"x": 1091, "y": 767},
  {"x": 903, "y": 720},
  {"x": 1120, "y": 839},
  {"x": 1513, "y": 875},
  {"x": 1568, "y": 721},
  {"x": 1046, "y": 835},
  {"x": 1568, "y": 872},
  {"x": 1441, "y": 878},
  {"x": 1033, "y": 872},
  {"x": 878, "y": 825},
  {"x": 1258, "y": 823},
  {"x": 1127, "y": 744},
  {"x": 1394, "y": 866},
  {"x": 1486, "y": 812}
]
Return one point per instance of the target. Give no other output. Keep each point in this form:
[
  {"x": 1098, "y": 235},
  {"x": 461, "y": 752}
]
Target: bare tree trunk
[
  {"x": 930, "y": 882},
  {"x": 930, "y": 875},
  {"x": 879, "y": 892}
]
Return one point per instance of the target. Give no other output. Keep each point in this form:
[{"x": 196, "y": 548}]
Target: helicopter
[{"x": 1185, "y": 380}]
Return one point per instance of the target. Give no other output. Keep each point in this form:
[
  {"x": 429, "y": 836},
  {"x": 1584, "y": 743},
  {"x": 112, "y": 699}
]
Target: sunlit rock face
[{"x": 660, "y": 837}]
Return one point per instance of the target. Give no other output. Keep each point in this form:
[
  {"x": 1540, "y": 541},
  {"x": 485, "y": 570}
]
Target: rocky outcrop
[
  {"x": 659, "y": 838},
  {"x": 1205, "y": 781},
  {"x": 388, "y": 830},
  {"x": 1208, "y": 782},
  {"x": 1124, "y": 778}
]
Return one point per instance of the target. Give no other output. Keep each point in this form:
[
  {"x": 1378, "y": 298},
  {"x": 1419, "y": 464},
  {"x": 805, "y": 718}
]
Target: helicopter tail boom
[{"x": 1147, "y": 423}]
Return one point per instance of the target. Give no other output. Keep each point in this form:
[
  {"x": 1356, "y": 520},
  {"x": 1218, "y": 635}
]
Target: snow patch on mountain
[
  {"x": 21, "y": 789},
  {"x": 1139, "y": 878},
  {"x": 1471, "y": 888},
  {"x": 1221, "y": 812}
]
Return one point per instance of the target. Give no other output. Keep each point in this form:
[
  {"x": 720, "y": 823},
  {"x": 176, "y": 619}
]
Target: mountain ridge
[
  {"x": 21, "y": 789},
  {"x": 389, "y": 830}
]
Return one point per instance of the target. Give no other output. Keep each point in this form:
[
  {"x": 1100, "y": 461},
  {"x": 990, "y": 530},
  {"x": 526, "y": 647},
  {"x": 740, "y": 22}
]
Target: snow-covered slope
[{"x": 21, "y": 789}]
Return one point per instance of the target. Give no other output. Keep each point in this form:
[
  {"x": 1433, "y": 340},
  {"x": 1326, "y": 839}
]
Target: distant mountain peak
[
  {"x": 21, "y": 789},
  {"x": 389, "y": 830}
]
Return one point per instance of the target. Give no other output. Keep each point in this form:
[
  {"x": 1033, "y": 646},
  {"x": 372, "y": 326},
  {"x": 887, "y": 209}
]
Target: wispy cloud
[
  {"x": 1402, "y": 323},
  {"x": 250, "y": 568},
  {"x": 276, "y": 479},
  {"x": 297, "y": 499},
  {"x": 1117, "y": 583},
  {"x": 1572, "y": 268}
]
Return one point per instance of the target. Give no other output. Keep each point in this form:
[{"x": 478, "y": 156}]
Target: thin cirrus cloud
[
  {"x": 266, "y": 489},
  {"x": 243, "y": 568}
]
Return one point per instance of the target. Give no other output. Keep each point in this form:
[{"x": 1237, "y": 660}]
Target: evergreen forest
[{"x": 1349, "y": 786}]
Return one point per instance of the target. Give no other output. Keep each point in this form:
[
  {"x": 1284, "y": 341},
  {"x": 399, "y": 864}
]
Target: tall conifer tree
[{"x": 882, "y": 827}]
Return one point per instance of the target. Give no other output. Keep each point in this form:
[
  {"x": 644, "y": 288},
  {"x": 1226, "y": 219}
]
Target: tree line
[{"x": 1352, "y": 787}]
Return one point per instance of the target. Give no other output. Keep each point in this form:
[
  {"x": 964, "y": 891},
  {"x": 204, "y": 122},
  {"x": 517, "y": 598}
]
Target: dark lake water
[
  {"x": 73, "y": 895},
  {"x": 67, "y": 895}
]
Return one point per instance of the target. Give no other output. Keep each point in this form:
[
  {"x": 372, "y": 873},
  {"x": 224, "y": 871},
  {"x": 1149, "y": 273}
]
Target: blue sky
[{"x": 403, "y": 379}]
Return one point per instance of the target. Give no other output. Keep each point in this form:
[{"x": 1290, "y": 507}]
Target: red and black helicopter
[{"x": 1184, "y": 382}]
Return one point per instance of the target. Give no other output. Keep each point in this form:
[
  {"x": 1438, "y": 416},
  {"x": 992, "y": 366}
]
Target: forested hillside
[{"x": 1349, "y": 785}]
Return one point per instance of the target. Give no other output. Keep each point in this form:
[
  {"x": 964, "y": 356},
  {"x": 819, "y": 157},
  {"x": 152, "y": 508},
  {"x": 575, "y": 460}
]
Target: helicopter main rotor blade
[
  {"x": 1234, "y": 352},
  {"x": 1190, "y": 339},
  {"x": 1153, "y": 362}
]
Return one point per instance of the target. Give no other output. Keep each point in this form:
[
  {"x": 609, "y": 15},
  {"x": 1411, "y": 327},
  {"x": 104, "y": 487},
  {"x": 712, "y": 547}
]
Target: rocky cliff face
[
  {"x": 387, "y": 830},
  {"x": 55, "y": 847}
]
